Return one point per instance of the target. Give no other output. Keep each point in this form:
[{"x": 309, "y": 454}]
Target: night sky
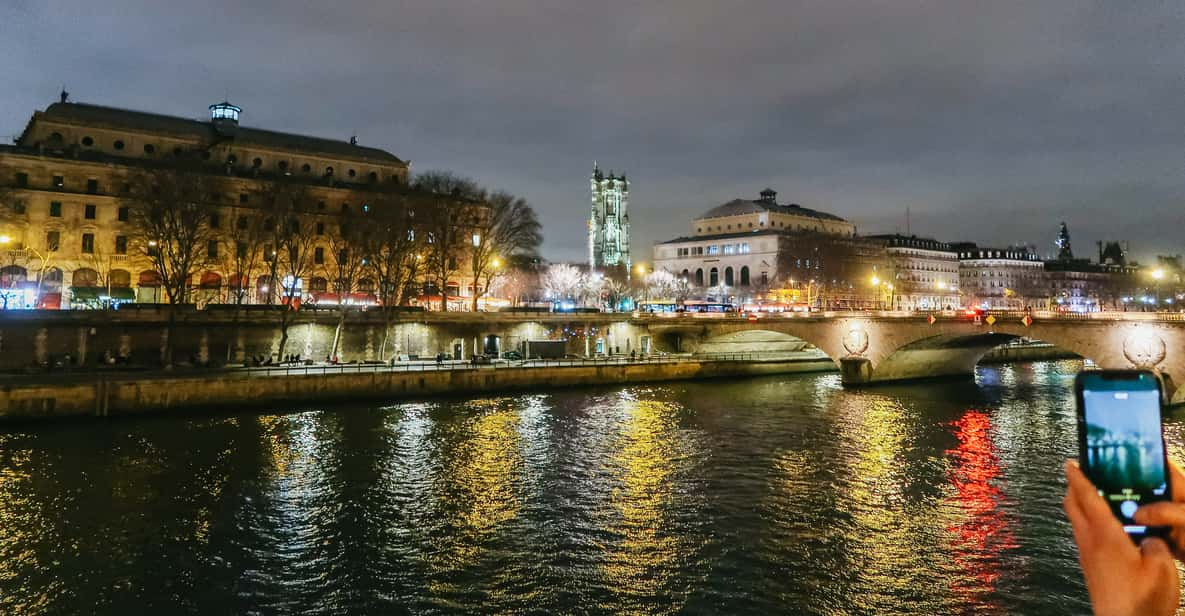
[{"x": 991, "y": 121}]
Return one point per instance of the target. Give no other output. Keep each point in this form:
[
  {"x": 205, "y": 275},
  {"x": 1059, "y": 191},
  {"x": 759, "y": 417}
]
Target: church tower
[{"x": 609, "y": 221}]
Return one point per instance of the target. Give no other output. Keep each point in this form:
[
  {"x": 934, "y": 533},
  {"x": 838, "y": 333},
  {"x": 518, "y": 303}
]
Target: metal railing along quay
[{"x": 502, "y": 364}]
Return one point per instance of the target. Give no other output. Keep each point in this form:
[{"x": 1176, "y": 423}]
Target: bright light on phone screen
[{"x": 1124, "y": 448}]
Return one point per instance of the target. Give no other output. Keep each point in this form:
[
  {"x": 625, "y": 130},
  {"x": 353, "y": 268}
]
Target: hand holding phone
[{"x": 1121, "y": 443}]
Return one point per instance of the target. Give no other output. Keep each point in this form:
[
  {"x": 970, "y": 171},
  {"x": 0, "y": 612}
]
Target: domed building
[{"x": 762, "y": 250}]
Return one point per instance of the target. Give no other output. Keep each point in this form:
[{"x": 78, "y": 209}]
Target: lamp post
[{"x": 1158, "y": 275}]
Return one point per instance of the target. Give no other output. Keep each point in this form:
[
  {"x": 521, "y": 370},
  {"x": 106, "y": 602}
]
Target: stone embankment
[{"x": 99, "y": 394}]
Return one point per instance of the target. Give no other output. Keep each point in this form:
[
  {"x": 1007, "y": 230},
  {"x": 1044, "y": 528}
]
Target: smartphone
[{"x": 1121, "y": 444}]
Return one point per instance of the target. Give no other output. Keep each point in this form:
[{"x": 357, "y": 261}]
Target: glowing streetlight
[
  {"x": 1158, "y": 275},
  {"x": 152, "y": 243},
  {"x": 497, "y": 263},
  {"x": 940, "y": 285},
  {"x": 4, "y": 239},
  {"x": 875, "y": 281}
]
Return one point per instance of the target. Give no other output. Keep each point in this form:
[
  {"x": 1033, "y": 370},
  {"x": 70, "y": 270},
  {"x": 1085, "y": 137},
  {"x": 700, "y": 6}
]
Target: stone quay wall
[
  {"x": 233, "y": 335},
  {"x": 89, "y": 394}
]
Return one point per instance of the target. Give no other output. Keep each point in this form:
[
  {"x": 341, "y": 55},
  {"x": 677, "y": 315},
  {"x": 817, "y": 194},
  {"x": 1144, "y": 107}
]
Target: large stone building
[
  {"x": 923, "y": 273},
  {"x": 67, "y": 181},
  {"x": 1010, "y": 278},
  {"x": 609, "y": 222},
  {"x": 762, "y": 250}
]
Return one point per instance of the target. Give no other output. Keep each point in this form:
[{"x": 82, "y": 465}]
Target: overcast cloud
[{"x": 991, "y": 121}]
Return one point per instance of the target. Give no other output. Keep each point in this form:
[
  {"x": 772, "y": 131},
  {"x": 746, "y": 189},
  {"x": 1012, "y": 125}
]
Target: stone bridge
[
  {"x": 868, "y": 347},
  {"x": 874, "y": 348}
]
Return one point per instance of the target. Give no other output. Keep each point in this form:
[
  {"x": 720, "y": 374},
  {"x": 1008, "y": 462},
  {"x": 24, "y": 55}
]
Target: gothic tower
[{"x": 609, "y": 221}]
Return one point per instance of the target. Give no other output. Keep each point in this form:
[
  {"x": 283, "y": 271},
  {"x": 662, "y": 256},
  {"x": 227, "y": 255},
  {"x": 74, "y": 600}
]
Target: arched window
[
  {"x": 374, "y": 177},
  {"x": 728, "y": 276},
  {"x": 699, "y": 277},
  {"x": 120, "y": 278},
  {"x": 713, "y": 277},
  {"x": 329, "y": 172},
  {"x": 149, "y": 278},
  {"x": 85, "y": 277},
  {"x": 237, "y": 282},
  {"x": 10, "y": 275},
  {"x": 210, "y": 280},
  {"x": 52, "y": 281},
  {"x": 744, "y": 275}
]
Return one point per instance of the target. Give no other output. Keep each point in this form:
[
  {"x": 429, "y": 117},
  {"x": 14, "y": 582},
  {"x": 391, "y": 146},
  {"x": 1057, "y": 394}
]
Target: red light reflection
[{"x": 985, "y": 532}]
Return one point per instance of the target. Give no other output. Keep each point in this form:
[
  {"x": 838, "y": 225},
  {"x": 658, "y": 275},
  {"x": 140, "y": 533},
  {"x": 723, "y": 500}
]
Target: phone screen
[{"x": 1122, "y": 445}]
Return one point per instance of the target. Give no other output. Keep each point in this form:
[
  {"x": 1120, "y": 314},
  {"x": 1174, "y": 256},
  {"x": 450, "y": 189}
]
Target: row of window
[
  {"x": 714, "y": 277},
  {"x": 741, "y": 248},
  {"x": 1000, "y": 254},
  {"x": 761, "y": 223},
  {"x": 57, "y": 181},
  {"x": 256, "y": 163}
]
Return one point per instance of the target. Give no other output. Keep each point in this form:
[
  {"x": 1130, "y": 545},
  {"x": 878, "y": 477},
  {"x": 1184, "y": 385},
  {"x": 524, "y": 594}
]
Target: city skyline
[{"x": 990, "y": 124}]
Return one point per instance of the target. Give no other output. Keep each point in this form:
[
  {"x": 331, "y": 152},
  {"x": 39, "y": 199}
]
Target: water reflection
[
  {"x": 778, "y": 495},
  {"x": 641, "y": 558},
  {"x": 983, "y": 530},
  {"x": 477, "y": 489}
]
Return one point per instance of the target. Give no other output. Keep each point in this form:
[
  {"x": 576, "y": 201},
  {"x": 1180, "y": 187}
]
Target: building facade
[
  {"x": 609, "y": 222},
  {"x": 923, "y": 273},
  {"x": 1010, "y": 278},
  {"x": 68, "y": 227},
  {"x": 761, "y": 250}
]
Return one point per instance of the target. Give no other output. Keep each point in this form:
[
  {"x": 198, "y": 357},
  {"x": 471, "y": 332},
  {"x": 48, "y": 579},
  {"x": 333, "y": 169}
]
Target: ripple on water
[{"x": 771, "y": 495}]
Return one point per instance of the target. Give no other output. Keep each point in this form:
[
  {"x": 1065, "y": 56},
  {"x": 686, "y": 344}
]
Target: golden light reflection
[
  {"x": 888, "y": 527},
  {"x": 479, "y": 487},
  {"x": 641, "y": 562}
]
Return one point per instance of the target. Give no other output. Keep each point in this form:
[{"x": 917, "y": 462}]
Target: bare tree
[
  {"x": 563, "y": 282},
  {"x": 348, "y": 256},
  {"x": 393, "y": 250},
  {"x": 510, "y": 229},
  {"x": 244, "y": 254},
  {"x": 170, "y": 211},
  {"x": 453, "y": 212},
  {"x": 517, "y": 283},
  {"x": 288, "y": 249}
]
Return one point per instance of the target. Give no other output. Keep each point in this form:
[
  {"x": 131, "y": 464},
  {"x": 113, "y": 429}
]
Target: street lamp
[{"x": 1158, "y": 275}]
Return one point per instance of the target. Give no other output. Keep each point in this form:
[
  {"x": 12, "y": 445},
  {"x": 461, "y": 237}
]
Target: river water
[{"x": 771, "y": 495}]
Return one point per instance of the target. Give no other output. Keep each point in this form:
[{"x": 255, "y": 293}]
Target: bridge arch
[
  {"x": 871, "y": 348},
  {"x": 946, "y": 355}
]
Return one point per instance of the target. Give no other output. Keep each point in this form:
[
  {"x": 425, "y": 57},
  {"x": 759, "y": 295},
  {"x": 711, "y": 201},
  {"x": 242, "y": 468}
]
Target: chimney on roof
[
  {"x": 769, "y": 195},
  {"x": 353, "y": 139}
]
